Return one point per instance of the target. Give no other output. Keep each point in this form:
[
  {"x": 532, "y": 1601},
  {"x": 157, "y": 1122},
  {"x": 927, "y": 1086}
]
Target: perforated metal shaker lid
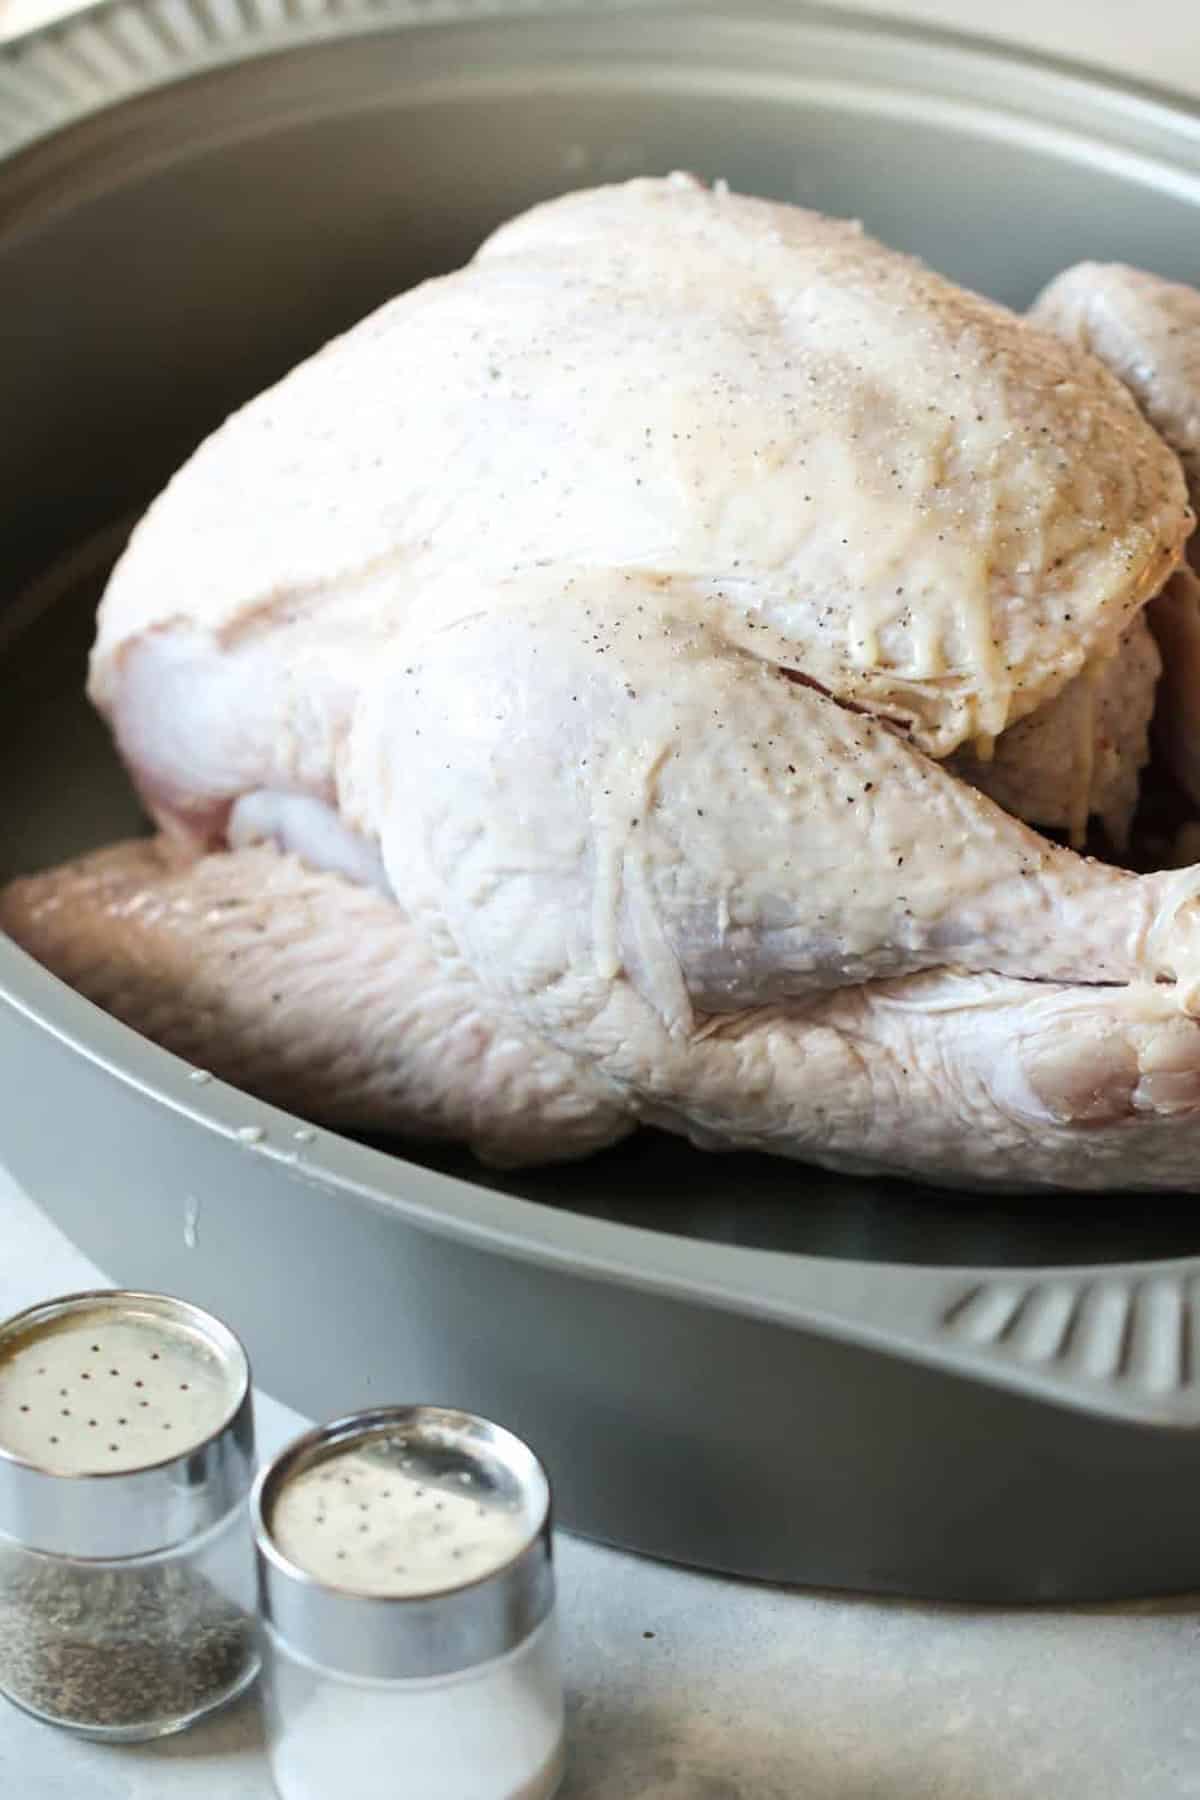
[
  {"x": 404, "y": 1542},
  {"x": 126, "y": 1424}
]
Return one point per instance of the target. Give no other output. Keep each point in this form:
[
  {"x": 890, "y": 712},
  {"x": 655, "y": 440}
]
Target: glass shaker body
[
  {"x": 485, "y": 1732},
  {"x": 127, "y": 1585},
  {"x": 410, "y": 1639},
  {"x": 129, "y": 1648}
]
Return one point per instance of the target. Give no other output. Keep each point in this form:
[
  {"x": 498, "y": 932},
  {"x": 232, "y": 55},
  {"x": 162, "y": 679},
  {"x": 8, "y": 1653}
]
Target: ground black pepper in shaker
[{"x": 126, "y": 1571}]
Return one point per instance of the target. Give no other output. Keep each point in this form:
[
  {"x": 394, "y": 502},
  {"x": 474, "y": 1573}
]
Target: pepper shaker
[
  {"x": 126, "y": 1562},
  {"x": 407, "y": 1591}
]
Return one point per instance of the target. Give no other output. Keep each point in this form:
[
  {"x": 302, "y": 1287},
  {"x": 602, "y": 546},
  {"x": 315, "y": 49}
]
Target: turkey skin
[{"x": 622, "y": 682}]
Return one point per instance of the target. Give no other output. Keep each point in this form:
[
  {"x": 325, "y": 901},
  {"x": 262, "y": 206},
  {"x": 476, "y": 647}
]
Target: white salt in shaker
[
  {"x": 407, "y": 1592},
  {"x": 126, "y": 1563}
]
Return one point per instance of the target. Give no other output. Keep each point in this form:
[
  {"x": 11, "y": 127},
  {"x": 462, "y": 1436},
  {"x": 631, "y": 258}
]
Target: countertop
[{"x": 685, "y": 1687}]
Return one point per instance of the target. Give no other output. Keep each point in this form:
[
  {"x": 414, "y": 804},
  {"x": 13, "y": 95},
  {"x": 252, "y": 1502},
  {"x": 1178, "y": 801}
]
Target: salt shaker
[
  {"x": 407, "y": 1592},
  {"x": 126, "y": 1561}
]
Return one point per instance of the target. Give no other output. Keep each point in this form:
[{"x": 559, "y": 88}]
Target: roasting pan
[{"x": 727, "y": 1362}]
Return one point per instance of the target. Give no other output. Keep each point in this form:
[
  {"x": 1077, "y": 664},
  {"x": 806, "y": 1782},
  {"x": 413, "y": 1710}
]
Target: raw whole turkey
[{"x": 669, "y": 671}]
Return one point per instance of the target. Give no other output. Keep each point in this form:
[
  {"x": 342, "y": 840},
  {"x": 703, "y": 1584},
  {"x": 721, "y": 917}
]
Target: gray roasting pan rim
[
  {"x": 59, "y": 73},
  {"x": 1045, "y": 1334}
]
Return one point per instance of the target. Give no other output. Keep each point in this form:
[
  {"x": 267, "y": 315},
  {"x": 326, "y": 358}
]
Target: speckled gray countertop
[{"x": 684, "y": 1687}]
